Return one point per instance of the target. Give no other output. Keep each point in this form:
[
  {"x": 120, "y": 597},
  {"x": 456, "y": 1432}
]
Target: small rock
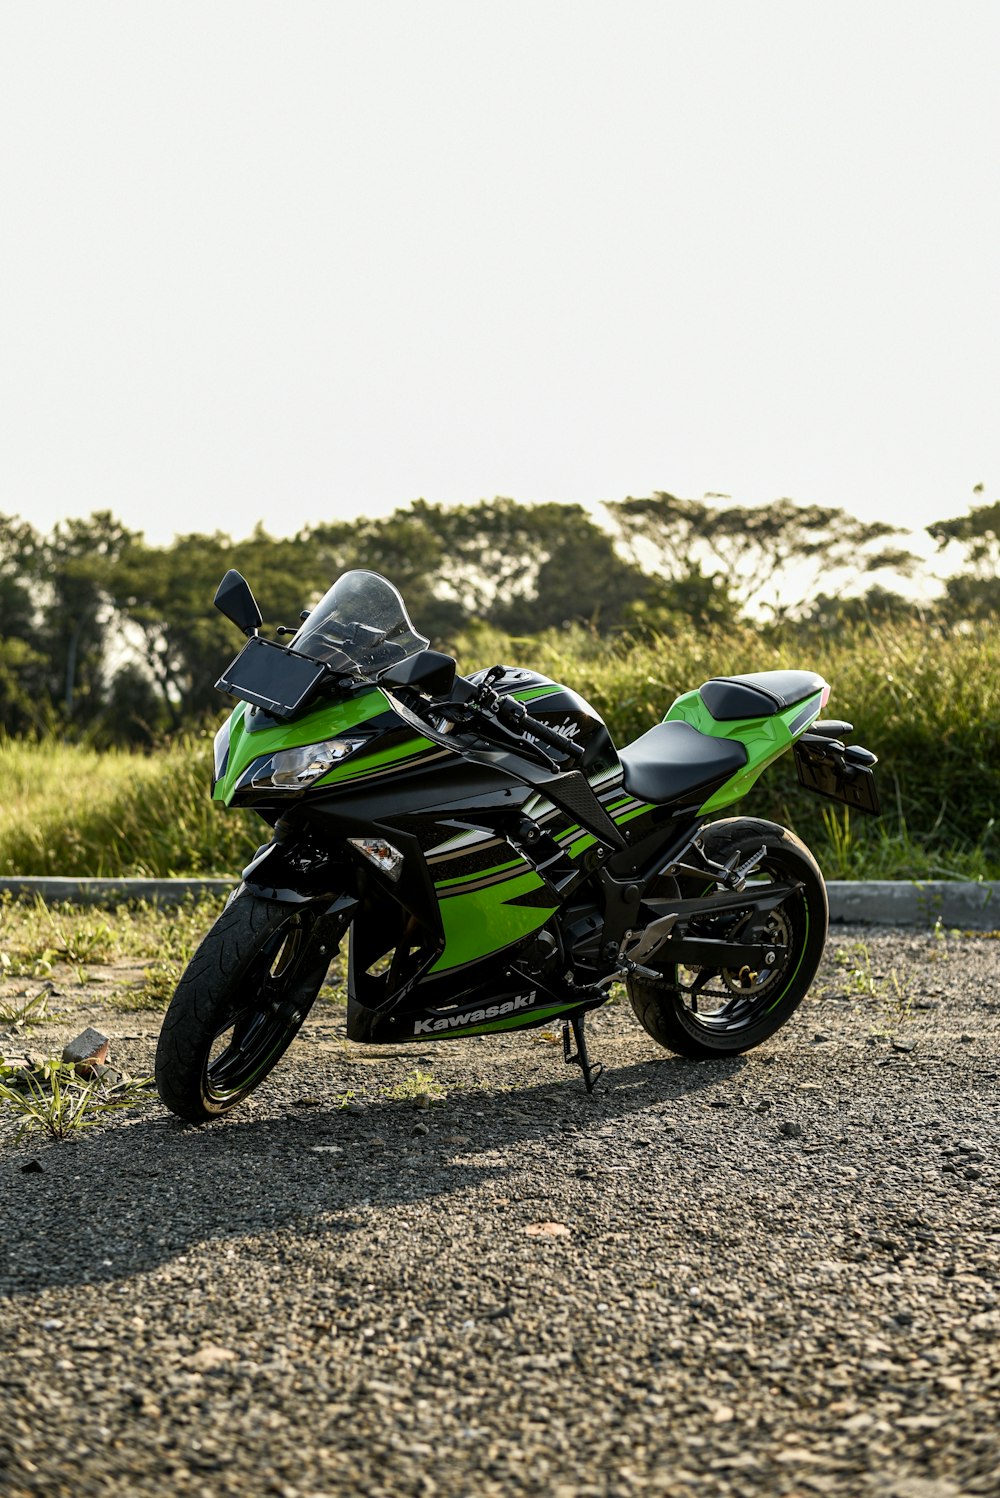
[
  {"x": 420, "y": 1129},
  {"x": 89, "y": 1049},
  {"x": 764, "y": 1106},
  {"x": 966, "y": 1039},
  {"x": 904, "y": 1045},
  {"x": 32, "y": 1168},
  {"x": 210, "y": 1356},
  {"x": 309, "y": 1101},
  {"x": 100, "y": 1071},
  {"x": 547, "y": 1229},
  {"x": 355, "y": 1109},
  {"x": 791, "y": 1129}
]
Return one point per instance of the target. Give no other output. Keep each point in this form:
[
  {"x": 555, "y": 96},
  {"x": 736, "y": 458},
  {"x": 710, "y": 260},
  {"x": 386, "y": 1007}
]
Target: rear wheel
[
  {"x": 702, "y": 1012},
  {"x": 239, "y": 1005}
]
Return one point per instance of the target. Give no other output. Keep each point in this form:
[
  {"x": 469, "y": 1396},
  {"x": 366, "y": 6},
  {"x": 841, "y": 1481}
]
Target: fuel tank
[{"x": 568, "y": 713}]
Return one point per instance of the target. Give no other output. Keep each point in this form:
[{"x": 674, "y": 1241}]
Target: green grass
[
  {"x": 928, "y": 703},
  {"x": 53, "y": 1099},
  {"x": 37, "y": 938},
  {"x": 67, "y": 809}
]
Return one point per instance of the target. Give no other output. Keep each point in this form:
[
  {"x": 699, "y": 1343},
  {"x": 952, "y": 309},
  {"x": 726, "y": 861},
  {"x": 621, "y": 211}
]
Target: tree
[
  {"x": 20, "y": 549},
  {"x": 164, "y": 598},
  {"x": 25, "y": 706},
  {"x": 77, "y": 614},
  {"x": 875, "y": 606},
  {"x": 973, "y": 593},
  {"x": 752, "y": 549}
]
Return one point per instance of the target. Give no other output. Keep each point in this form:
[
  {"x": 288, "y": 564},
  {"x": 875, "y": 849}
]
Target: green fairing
[
  {"x": 327, "y": 722},
  {"x": 484, "y": 921},
  {"x": 763, "y": 738}
]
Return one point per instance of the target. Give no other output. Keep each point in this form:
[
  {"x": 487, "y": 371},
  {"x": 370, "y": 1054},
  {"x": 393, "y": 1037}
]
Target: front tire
[
  {"x": 238, "y": 1006},
  {"x": 702, "y": 1013}
]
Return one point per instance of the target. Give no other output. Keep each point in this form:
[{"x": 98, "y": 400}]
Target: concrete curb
[
  {"x": 892, "y": 902},
  {"x": 872, "y": 902},
  {"x": 115, "y": 891}
]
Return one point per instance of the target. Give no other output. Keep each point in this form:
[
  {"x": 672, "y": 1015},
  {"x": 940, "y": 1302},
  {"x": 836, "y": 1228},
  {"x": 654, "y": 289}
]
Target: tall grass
[
  {"x": 927, "y": 703},
  {"x": 66, "y": 809}
]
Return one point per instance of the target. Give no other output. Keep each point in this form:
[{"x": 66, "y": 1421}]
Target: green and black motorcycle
[{"x": 495, "y": 860}]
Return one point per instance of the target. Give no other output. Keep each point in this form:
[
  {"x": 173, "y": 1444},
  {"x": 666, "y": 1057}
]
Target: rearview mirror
[
  {"x": 428, "y": 671},
  {"x": 234, "y": 599}
]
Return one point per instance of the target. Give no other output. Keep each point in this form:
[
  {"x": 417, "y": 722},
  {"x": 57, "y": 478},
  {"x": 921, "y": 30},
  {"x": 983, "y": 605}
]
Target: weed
[
  {"x": 55, "y": 1100},
  {"x": 333, "y": 993},
  {"x": 156, "y": 988},
  {"x": 419, "y": 1087},
  {"x": 856, "y": 961},
  {"x": 33, "y": 1011},
  {"x": 897, "y": 999},
  {"x": 890, "y": 990}
]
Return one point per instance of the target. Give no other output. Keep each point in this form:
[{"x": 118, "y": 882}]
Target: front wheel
[
  {"x": 703, "y": 1012},
  {"x": 239, "y": 1005}
]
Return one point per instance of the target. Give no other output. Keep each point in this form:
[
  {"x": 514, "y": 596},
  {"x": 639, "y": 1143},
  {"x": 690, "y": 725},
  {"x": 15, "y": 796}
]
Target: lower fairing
[{"x": 510, "y": 1002}]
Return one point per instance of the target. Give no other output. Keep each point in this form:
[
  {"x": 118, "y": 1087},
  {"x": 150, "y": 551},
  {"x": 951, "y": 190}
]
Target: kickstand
[{"x": 579, "y": 1057}]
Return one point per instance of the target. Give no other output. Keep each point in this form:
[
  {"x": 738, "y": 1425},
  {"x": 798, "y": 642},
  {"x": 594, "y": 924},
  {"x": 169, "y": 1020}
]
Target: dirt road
[{"x": 776, "y": 1275}]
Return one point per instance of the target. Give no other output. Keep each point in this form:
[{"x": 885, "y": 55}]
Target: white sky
[{"x": 304, "y": 260}]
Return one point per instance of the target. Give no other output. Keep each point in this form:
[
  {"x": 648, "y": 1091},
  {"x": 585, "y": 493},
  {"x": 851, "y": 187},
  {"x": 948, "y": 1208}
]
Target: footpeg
[{"x": 738, "y": 878}]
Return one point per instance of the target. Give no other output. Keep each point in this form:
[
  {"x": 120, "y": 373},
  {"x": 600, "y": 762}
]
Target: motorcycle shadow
[{"x": 124, "y": 1201}]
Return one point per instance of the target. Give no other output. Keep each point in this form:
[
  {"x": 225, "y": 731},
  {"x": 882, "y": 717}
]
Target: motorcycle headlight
[{"x": 294, "y": 769}]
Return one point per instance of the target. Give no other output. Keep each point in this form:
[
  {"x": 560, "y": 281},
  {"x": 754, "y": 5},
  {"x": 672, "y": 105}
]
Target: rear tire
[
  {"x": 239, "y": 1005},
  {"x": 703, "y": 1013}
]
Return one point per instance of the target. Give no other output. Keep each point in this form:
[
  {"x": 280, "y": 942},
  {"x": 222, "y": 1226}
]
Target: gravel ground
[{"x": 775, "y": 1275}]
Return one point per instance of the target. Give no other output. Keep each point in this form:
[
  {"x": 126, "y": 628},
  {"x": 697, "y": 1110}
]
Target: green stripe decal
[
  {"x": 515, "y": 863},
  {"x": 368, "y": 764},
  {"x": 531, "y": 693}
]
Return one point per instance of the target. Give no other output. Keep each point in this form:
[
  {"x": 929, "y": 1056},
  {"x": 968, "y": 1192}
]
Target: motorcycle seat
[
  {"x": 759, "y": 696},
  {"x": 673, "y": 760}
]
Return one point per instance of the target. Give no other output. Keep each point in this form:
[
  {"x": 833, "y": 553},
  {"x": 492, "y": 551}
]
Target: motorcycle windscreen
[
  {"x": 271, "y": 677},
  {"x": 828, "y": 775}
]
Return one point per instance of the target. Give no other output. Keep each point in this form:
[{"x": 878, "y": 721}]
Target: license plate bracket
[{"x": 826, "y": 773}]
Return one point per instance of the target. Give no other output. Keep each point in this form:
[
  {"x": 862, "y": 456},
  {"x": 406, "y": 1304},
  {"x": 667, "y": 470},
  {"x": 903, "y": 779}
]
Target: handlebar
[
  {"x": 513, "y": 714},
  {"x": 505, "y": 718}
]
